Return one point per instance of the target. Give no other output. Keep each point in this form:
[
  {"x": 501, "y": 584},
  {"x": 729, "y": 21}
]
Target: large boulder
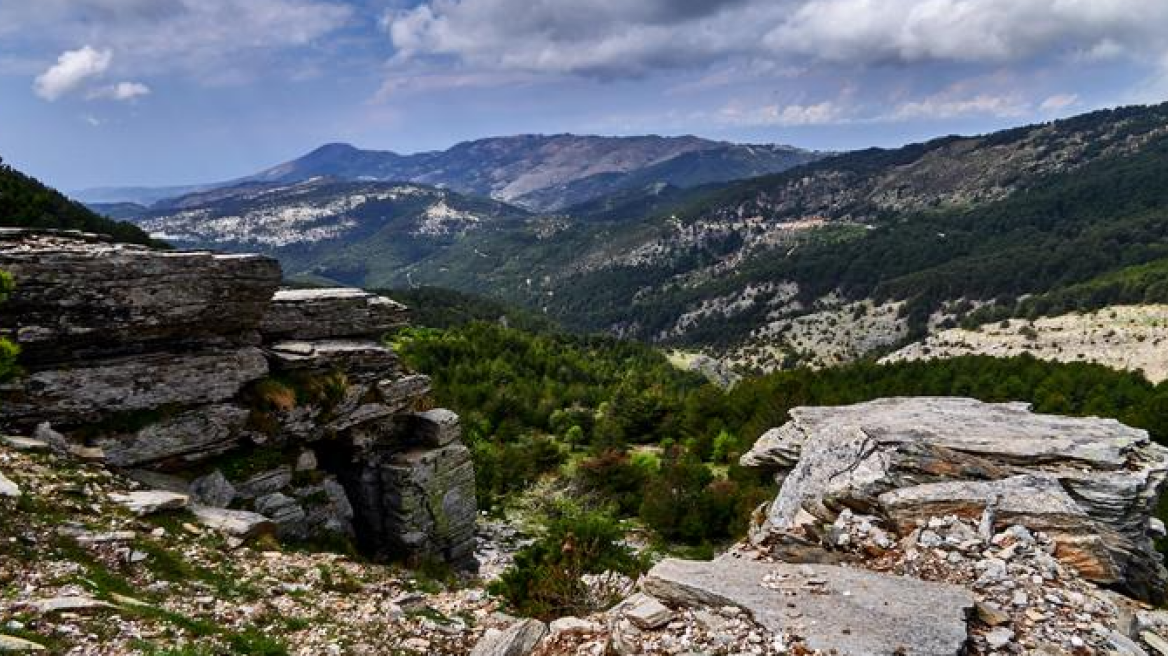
[
  {"x": 329, "y": 313},
  {"x": 1090, "y": 483},
  {"x": 836, "y": 610},
  {"x": 80, "y": 298},
  {"x": 417, "y": 504}
]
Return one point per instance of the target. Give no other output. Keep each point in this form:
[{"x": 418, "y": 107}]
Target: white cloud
[
  {"x": 72, "y": 69},
  {"x": 121, "y": 91},
  {"x": 944, "y": 107},
  {"x": 1059, "y": 102},
  {"x": 210, "y": 39},
  {"x": 794, "y": 115},
  {"x": 615, "y": 37}
]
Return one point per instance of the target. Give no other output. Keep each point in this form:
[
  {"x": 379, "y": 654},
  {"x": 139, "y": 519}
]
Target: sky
[{"x": 161, "y": 92}]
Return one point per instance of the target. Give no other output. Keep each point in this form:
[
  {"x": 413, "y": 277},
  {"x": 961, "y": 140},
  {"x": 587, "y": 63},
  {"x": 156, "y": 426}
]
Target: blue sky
[{"x": 152, "y": 92}]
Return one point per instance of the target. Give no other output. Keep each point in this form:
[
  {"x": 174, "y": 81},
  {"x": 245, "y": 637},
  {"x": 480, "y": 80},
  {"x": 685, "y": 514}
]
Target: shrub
[
  {"x": 545, "y": 579},
  {"x": 613, "y": 477},
  {"x": 8, "y": 350}
]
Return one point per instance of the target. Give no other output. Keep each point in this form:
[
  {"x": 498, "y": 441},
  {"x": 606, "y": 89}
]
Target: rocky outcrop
[
  {"x": 194, "y": 364},
  {"x": 321, "y": 313},
  {"x": 1089, "y": 483}
]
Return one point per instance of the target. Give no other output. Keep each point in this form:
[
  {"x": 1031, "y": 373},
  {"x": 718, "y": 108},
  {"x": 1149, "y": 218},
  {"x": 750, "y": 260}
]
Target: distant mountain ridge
[{"x": 538, "y": 172}]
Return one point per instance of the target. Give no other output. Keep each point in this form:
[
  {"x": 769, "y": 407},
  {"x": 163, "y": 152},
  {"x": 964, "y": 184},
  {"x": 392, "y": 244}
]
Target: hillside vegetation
[{"x": 26, "y": 203}]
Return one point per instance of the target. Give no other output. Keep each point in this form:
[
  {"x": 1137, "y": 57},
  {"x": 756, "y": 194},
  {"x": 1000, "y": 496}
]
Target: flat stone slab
[
  {"x": 24, "y": 443},
  {"x": 236, "y": 523},
  {"x": 69, "y": 604},
  {"x": 519, "y": 639},
  {"x": 148, "y": 502},
  {"x": 14, "y": 645},
  {"x": 8, "y": 488},
  {"x": 332, "y": 312},
  {"x": 853, "y": 612}
]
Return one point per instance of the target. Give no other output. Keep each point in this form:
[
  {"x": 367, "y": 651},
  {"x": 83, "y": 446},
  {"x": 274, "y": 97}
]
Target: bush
[
  {"x": 615, "y": 478},
  {"x": 545, "y": 579},
  {"x": 8, "y": 350}
]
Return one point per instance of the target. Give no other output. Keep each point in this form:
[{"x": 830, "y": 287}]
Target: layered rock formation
[
  {"x": 1091, "y": 484},
  {"x": 253, "y": 400}
]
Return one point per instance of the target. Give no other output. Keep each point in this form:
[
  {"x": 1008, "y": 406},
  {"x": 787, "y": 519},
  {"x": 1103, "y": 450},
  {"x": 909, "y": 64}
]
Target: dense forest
[
  {"x": 1085, "y": 226},
  {"x": 619, "y": 427},
  {"x": 26, "y": 203}
]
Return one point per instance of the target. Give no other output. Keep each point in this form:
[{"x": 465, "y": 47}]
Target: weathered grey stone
[
  {"x": 24, "y": 443},
  {"x": 437, "y": 427},
  {"x": 1036, "y": 501},
  {"x": 212, "y": 490},
  {"x": 370, "y": 412},
  {"x": 14, "y": 645},
  {"x": 519, "y": 639},
  {"x": 148, "y": 502},
  {"x": 8, "y": 488},
  {"x": 79, "y": 299},
  {"x": 289, "y": 517},
  {"x": 236, "y": 523},
  {"x": 105, "y": 388},
  {"x": 334, "y": 312},
  {"x": 573, "y": 625},
  {"x": 400, "y": 394},
  {"x": 1099, "y": 478},
  {"x": 265, "y": 483},
  {"x": 186, "y": 438},
  {"x": 646, "y": 612},
  {"x": 362, "y": 361},
  {"x": 71, "y": 604},
  {"x": 854, "y": 612},
  {"x": 332, "y": 514},
  {"x": 419, "y": 503}
]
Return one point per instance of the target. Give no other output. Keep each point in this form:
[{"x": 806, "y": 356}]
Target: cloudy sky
[{"x": 103, "y": 92}]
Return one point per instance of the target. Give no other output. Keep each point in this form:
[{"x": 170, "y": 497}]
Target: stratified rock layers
[
  {"x": 1089, "y": 483},
  {"x": 163, "y": 360}
]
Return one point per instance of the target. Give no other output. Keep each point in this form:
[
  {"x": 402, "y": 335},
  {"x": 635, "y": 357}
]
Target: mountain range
[
  {"x": 839, "y": 257},
  {"x": 537, "y": 172}
]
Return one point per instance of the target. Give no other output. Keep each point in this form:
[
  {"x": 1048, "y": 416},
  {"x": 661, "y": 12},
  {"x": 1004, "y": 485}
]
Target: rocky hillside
[
  {"x": 1133, "y": 338},
  {"x": 916, "y": 526},
  {"x": 258, "y": 409},
  {"x": 541, "y": 173}
]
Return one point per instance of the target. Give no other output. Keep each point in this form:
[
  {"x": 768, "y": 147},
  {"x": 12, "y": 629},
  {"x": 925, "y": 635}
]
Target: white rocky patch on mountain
[
  {"x": 1134, "y": 338},
  {"x": 442, "y": 219}
]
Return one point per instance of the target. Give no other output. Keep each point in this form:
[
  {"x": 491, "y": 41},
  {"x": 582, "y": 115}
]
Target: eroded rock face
[
  {"x": 153, "y": 360},
  {"x": 74, "y": 395},
  {"x": 1089, "y": 483},
  {"x": 79, "y": 298},
  {"x": 325, "y": 313}
]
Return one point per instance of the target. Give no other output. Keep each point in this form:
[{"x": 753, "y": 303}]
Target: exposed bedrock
[
  {"x": 284, "y": 405},
  {"x": 1091, "y": 484}
]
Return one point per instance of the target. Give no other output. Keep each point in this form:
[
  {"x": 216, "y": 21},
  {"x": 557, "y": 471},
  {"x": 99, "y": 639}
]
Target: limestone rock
[
  {"x": 327, "y": 313},
  {"x": 105, "y": 388},
  {"x": 418, "y": 503},
  {"x": 184, "y": 439},
  {"x": 80, "y": 299},
  {"x": 400, "y": 393},
  {"x": 71, "y": 604},
  {"x": 24, "y": 443},
  {"x": 236, "y": 523},
  {"x": 8, "y": 488},
  {"x": 646, "y": 612},
  {"x": 286, "y": 513},
  {"x": 361, "y": 360},
  {"x": 1091, "y": 482},
  {"x": 854, "y": 612},
  {"x": 212, "y": 490},
  {"x": 437, "y": 427},
  {"x": 519, "y": 639},
  {"x": 265, "y": 482},
  {"x": 13, "y": 644},
  {"x": 573, "y": 625},
  {"x": 148, "y": 502}
]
